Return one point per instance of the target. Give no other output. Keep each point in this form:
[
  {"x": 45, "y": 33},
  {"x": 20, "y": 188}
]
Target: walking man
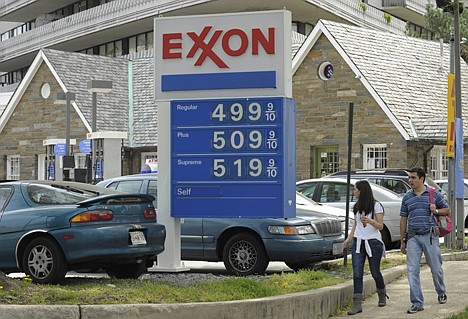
[{"x": 419, "y": 234}]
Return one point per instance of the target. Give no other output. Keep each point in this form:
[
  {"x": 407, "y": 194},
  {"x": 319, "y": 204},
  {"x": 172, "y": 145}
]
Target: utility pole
[
  {"x": 456, "y": 173},
  {"x": 459, "y": 169}
]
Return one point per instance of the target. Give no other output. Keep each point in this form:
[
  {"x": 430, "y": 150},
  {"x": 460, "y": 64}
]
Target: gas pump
[
  {"x": 106, "y": 154},
  {"x": 50, "y": 163},
  {"x": 98, "y": 160},
  {"x": 55, "y": 150}
]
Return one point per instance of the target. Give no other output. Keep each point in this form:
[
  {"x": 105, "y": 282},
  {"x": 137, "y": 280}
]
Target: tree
[{"x": 441, "y": 24}]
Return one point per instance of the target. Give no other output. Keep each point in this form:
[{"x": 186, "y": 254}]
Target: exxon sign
[{"x": 223, "y": 55}]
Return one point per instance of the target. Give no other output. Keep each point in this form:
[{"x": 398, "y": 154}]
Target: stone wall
[
  {"x": 322, "y": 113},
  {"x": 36, "y": 119}
]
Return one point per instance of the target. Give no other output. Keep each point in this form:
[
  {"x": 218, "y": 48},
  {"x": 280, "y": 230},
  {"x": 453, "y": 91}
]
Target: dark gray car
[{"x": 247, "y": 245}]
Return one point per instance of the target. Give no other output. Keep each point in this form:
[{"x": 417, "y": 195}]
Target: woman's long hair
[{"x": 366, "y": 200}]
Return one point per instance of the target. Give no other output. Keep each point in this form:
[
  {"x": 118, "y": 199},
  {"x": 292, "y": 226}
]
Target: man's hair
[{"x": 420, "y": 171}]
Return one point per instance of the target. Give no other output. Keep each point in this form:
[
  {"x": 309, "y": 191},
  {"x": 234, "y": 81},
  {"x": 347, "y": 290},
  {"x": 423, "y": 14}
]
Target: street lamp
[
  {"x": 66, "y": 98},
  {"x": 95, "y": 87}
]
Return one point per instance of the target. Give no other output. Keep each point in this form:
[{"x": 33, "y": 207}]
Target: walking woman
[{"x": 366, "y": 242}]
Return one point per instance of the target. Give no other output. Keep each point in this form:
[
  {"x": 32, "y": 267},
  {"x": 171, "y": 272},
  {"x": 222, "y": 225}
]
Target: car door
[{"x": 334, "y": 194}]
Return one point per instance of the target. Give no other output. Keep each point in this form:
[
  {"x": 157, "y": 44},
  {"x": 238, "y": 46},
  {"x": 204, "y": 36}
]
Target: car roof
[
  {"x": 375, "y": 187},
  {"x": 390, "y": 172}
]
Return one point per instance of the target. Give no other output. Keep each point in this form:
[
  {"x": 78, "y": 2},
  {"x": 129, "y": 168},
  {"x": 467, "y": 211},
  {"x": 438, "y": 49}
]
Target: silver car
[{"x": 332, "y": 192}]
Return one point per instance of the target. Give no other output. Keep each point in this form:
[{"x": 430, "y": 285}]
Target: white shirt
[{"x": 362, "y": 233}]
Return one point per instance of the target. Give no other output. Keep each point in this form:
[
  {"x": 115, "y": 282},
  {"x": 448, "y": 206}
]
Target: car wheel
[
  {"x": 126, "y": 271},
  {"x": 44, "y": 262},
  {"x": 244, "y": 254}
]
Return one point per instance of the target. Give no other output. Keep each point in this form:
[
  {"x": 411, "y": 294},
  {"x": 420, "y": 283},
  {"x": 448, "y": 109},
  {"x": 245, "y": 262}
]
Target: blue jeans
[
  {"x": 377, "y": 248},
  {"x": 414, "y": 248}
]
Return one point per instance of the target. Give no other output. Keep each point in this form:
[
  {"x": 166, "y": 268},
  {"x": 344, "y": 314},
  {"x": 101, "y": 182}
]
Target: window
[
  {"x": 141, "y": 42},
  {"x": 153, "y": 190},
  {"x": 439, "y": 162},
  {"x": 335, "y": 192},
  {"x": 132, "y": 44},
  {"x": 5, "y": 193},
  {"x": 127, "y": 186},
  {"x": 13, "y": 167},
  {"x": 375, "y": 156}
]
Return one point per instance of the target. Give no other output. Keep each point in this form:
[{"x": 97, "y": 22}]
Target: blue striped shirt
[{"x": 417, "y": 209}]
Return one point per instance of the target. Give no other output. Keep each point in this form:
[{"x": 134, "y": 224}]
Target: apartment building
[{"x": 120, "y": 27}]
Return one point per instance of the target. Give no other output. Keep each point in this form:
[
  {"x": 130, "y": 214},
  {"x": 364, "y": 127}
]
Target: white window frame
[
  {"x": 372, "y": 156},
  {"x": 439, "y": 162},
  {"x": 13, "y": 167}
]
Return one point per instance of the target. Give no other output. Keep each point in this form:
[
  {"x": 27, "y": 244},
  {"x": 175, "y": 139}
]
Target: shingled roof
[
  {"x": 402, "y": 73},
  {"x": 76, "y": 69}
]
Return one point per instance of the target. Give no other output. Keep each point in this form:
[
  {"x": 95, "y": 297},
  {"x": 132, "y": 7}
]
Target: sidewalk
[
  {"x": 312, "y": 304},
  {"x": 455, "y": 275}
]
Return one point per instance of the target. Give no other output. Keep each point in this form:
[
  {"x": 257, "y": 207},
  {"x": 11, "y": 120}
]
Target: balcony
[
  {"x": 409, "y": 10},
  {"x": 95, "y": 26},
  {"x": 27, "y": 10},
  {"x": 357, "y": 13},
  {"x": 123, "y": 18}
]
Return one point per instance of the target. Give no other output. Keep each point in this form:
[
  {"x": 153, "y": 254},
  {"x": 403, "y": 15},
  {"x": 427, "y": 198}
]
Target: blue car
[
  {"x": 247, "y": 245},
  {"x": 48, "y": 228}
]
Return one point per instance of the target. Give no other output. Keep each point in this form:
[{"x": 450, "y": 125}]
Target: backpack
[{"x": 443, "y": 222}]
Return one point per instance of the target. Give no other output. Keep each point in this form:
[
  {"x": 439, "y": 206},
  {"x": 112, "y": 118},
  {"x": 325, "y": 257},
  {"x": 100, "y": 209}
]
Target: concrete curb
[{"x": 318, "y": 303}]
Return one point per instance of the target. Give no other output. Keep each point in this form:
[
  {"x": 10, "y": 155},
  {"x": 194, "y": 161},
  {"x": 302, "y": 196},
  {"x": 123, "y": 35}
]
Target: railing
[
  {"x": 99, "y": 18},
  {"x": 352, "y": 11},
  {"x": 402, "y": 3},
  {"x": 119, "y": 12},
  {"x": 9, "y": 5}
]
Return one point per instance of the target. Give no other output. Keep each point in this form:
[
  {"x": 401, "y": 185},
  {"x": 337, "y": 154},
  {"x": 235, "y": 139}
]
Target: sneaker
[
  {"x": 442, "y": 299},
  {"x": 414, "y": 309}
]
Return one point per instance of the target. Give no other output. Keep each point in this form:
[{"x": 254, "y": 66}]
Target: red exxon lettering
[{"x": 172, "y": 44}]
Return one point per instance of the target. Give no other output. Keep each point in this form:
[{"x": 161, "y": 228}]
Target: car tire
[
  {"x": 126, "y": 271},
  {"x": 44, "y": 262},
  {"x": 244, "y": 254}
]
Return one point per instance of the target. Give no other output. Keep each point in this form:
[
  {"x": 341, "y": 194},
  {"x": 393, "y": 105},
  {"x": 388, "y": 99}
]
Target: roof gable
[
  {"x": 72, "y": 72},
  {"x": 402, "y": 73}
]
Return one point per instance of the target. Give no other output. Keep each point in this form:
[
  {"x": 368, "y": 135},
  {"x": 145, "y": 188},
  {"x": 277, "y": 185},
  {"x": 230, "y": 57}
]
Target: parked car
[
  {"x": 332, "y": 191},
  {"x": 443, "y": 183},
  {"x": 48, "y": 228},
  {"x": 395, "y": 179},
  {"x": 247, "y": 245}
]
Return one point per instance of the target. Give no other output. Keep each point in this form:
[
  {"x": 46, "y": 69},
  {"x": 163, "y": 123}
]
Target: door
[{"x": 325, "y": 160}]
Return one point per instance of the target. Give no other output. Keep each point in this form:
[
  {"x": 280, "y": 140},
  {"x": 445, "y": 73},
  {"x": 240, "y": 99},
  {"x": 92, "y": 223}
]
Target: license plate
[
  {"x": 337, "y": 248},
  {"x": 137, "y": 238}
]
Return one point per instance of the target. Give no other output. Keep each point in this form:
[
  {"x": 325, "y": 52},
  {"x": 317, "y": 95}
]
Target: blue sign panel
[
  {"x": 233, "y": 158},
  {"x": 60, "y": 149},
  {"x": 85, "y": 146}
]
